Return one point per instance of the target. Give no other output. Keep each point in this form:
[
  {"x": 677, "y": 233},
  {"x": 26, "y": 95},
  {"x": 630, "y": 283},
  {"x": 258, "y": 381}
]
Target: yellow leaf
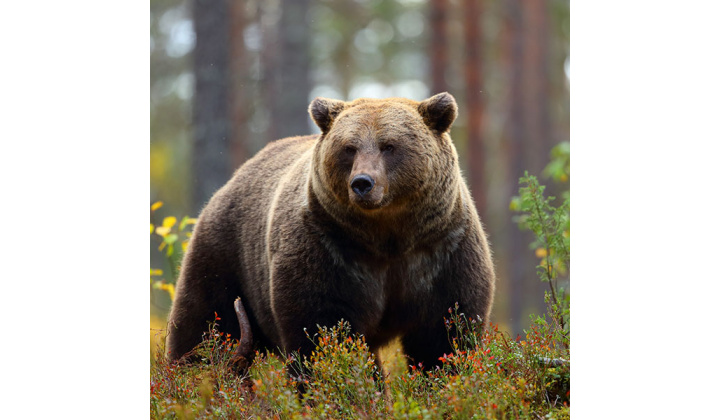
[
  {"x": 184, "y": 245},
  {"x": 156, "y": 206},
  {"x": 162, "y": 231},
  {"x": 191, "y": 221},
  {"x": 156, "y": 272},
  {"x": 152, "y": 228},
  {"x": 170, "y": 288},
  {"x": 162, "y": 245},
  {"x": 169, "y": 221},
  {"x": 541, "y": 253}
]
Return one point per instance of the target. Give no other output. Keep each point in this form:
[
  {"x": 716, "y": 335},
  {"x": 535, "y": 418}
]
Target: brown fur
[{"x": 290, "y": 237}]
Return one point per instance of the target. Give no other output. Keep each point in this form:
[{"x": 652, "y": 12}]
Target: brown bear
[{"x": 370, "y": 222}]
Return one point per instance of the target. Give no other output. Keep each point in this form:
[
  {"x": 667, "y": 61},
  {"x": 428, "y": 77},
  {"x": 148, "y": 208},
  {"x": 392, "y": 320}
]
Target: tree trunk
[
  {"x": 270, "y": 56},
  {"x": 536, "y": 103},
  {"x": 519, "y": 261},
  {"x": 535, "y": 88},
  {"x": 211, "y": 139},
  {"x": 439, "y": 48},
  {"x": 290, "y": 115},
  {"x": 474, "y": 102},
  {"x": 529, "y": 141},
  {"x": 239, "y": 80}
]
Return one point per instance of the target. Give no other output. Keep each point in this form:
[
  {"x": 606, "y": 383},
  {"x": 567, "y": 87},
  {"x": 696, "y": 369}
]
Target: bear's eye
[
  {"x": 349, "y": 150},
  {"x": 387, "y": 148}
]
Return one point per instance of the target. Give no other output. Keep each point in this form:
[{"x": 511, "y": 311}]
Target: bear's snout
[
  {"x": 367, "y": 183},
  {"x": 362, "y": 184}
]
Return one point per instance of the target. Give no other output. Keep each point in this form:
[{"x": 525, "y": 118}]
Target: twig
[
  {"x": 547, "y": 361},
  {"x": 243, "y": 355}
]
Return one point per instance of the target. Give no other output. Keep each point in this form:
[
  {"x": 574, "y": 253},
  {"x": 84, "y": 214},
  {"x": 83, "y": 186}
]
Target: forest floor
[{"x": 488, "y": 375}]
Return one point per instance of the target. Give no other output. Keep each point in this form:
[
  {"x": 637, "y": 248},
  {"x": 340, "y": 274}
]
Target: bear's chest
[
  {"x": 412, "y": 271},
  {"x": 394, "y": 279}
]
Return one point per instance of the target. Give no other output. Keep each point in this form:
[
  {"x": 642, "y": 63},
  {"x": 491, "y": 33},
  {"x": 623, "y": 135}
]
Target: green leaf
[
  {"x": 515, "y": 204},
  {"x": 187, "y": 221}
]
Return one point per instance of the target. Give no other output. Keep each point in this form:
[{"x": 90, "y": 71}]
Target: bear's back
[{"x": 249, "y": 193}]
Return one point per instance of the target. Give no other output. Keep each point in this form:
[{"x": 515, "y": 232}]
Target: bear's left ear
[
  {"x": 439, "y": 112},
  {"x": 323, "y": 111}
]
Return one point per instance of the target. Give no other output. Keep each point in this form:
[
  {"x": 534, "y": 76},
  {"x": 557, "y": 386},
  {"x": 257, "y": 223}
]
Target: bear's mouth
[
  {"x": 368, "y": 204},
  {"x": 373, "y": 201}
]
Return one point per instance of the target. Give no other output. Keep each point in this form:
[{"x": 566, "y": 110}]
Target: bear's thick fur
[{"x": 369, "y": 221}]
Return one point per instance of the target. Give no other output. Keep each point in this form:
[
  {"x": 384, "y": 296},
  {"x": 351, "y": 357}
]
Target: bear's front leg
[
  {"x": 309, "y": 292},
  {"x": 424, "y": 346},
  {"x": 466, "y": 280}
]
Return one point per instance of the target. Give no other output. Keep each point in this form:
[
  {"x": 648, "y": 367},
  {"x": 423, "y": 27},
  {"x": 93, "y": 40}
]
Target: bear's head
[{"x": 376, "y": 155}]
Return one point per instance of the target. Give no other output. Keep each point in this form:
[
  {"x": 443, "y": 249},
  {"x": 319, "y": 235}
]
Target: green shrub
[
  {"x": 551, "y": 226},
  {"x": 343, "y": 373}
]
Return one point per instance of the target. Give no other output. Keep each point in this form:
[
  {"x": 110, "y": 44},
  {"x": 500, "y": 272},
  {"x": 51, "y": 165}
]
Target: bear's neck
[{"x": 398, "y": 229}]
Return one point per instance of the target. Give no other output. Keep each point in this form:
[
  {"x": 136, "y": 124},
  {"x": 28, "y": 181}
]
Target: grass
[{"x": 488, "y": 375}]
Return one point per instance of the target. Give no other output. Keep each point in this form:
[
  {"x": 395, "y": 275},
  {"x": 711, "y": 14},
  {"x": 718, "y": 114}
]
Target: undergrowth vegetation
[{"x": 489, "y": 374}]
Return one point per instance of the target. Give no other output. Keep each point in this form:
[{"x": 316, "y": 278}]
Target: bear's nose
[{"x": 362, "y": 184}]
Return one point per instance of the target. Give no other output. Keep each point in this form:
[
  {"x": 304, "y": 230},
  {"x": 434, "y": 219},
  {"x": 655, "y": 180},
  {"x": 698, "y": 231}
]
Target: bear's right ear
[{"x": 323, "y": 111}]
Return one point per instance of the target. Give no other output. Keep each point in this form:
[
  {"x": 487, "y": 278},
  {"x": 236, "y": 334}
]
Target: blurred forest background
[{"x": 227, "y": 77}]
